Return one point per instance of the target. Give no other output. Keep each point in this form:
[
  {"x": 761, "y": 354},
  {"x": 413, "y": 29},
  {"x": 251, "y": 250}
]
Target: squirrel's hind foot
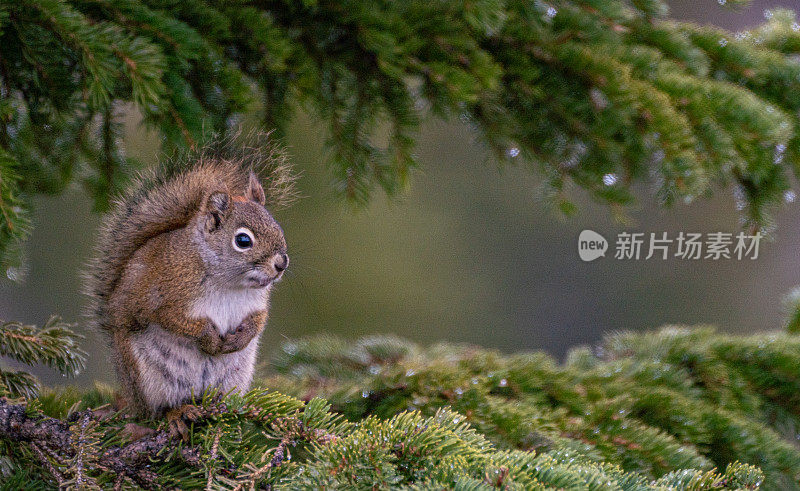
[{"x": 179, "y": 416}]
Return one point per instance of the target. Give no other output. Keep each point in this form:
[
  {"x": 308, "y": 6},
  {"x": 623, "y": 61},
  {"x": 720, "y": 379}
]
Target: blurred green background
[{"x": 469, "y": 254}]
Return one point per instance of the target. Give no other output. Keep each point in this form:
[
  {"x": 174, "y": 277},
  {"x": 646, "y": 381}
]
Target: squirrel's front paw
[
  {"x": 239, "y": 338},
  {"x": 210, "y": 341}
]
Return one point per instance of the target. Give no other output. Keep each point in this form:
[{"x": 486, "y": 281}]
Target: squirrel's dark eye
[{"x": 242, "y": 240}]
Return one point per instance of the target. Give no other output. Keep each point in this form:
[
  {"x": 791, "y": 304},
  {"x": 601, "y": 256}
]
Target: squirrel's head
[{"x": 240, "y": 239}]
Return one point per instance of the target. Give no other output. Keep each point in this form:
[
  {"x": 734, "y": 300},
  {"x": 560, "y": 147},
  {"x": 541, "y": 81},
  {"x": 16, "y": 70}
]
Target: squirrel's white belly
[
  {"x": 172, "y": 369},
  {"x": 228, "y": 308}
]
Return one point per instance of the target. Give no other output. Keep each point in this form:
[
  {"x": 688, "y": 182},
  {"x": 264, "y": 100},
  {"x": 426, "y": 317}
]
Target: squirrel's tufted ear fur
[
  {"x": 217, "y": 206},
  {"x": 255, "y": 191}
]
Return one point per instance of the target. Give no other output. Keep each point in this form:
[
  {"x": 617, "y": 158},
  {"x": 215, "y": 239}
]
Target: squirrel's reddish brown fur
[{"x": 182, "y": 273}]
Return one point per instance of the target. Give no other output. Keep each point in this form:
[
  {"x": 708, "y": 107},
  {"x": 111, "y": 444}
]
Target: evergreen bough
[
  {"x": 54, "y": 346},
  {"x": 599, "y": 93},
  {"x": 680, "y": 408}
]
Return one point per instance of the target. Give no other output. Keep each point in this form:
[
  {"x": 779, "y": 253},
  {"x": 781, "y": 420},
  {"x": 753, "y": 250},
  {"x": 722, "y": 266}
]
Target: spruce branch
[
  {"x": 264, "y": 439},
  {"x": 54, "y": 345},
  {"x": 602, "y": 95},
  {"x": 85, "y": 448},
  {"x": 18, "y": 384},
  {"x": 650, "y": 403},
  {"x": 49, "y": 465},
  {"x": 77, "y": 445},
  {"x": 14, "y": 222}
]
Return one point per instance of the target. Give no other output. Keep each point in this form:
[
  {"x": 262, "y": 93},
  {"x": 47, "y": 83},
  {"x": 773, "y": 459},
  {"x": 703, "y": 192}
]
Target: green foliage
[
  {"x": 792, "y": 306},
  {"x": 663, "y": 410},
  {"x": 54, "y": 345},
  {"x": 14, "y": 225},
  {"x": 597, "y": 93},
  {"x": 268, "y": 439},
  {"x": 648, "y": 403}
]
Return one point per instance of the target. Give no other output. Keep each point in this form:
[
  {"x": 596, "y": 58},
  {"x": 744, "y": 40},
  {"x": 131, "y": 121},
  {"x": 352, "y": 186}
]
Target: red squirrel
[{"x": 181, "y": 281}]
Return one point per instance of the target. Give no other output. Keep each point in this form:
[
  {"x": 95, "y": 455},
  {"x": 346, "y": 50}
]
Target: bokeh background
[{"x": 468, "y": 254}]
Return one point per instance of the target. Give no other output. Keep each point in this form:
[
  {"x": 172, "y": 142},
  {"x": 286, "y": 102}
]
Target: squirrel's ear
[
  {"x": 255, "y": 191},
  {"x": 216, "y": 208}
]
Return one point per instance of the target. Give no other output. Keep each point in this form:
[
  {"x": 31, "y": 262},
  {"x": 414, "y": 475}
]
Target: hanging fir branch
[{"x": 598, "y": 94}]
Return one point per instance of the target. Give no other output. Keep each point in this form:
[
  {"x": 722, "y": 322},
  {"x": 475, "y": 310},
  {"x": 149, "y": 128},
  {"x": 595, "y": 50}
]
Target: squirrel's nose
[{"x": 280, "y": 262}]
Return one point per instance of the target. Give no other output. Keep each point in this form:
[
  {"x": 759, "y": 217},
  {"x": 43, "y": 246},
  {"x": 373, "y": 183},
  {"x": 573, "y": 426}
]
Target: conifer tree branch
[
  {"x": 642, "y": 411},
  {"x": 131, "y": 459},
  {"x": 18, "y": 383},
  {"x": 600, "y": 94},
  {"x": 54, "y": 345}
]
